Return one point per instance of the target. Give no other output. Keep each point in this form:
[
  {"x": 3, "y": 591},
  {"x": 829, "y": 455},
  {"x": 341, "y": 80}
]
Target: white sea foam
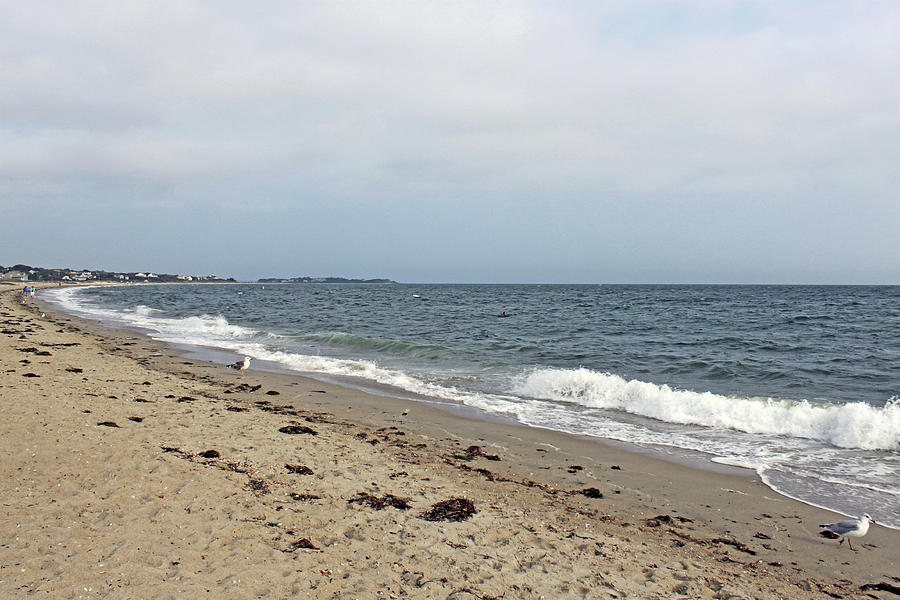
[
  {"x": 145, "y": 311},
  {"x": 199, "y": 330},
  {"x": 852, "y": 425}
]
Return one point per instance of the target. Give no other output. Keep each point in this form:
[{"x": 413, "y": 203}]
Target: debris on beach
[
  {"x": 882, "y": 586},
  {"x": 668, "y": 519},
  {"x": 259, "y": 486},
  {"x": 379, "y": 503},
  {"x": 302, "y": 497},
  {"x": 734, "y": 544},
  {"x": 454, "y": 509},
  {"x": 575, "y": 468},
  {"x": 285, "y": 410},
  {"x": 74, "y": 370},
  {"x": 244, "y": 387},
  {"x": 475, "y": 451},
  {"x": 135, "y": 419},
  {"x": 303, "y": 543},
  {"x": 298, "y": 429},
  {"x": 210, "y": 454},
  {"x": 299, "y": 469},
  {"x": 107, "y": 424},
  {"x": 590, "y": 492},
  {"x": 273, "y": 393}
]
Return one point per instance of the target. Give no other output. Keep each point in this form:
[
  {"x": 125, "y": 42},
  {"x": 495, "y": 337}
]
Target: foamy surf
[{"x": 852, "y": 425}]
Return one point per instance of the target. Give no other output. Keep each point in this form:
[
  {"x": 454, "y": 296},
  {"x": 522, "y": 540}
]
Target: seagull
[
  {"x": 849, "y": 528},
  {"x": 241, "y": 365}
]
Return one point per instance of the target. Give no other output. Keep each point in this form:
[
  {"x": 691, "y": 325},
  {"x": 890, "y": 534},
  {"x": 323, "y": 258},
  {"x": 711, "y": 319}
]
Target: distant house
[{"x": 14, "y": 275}]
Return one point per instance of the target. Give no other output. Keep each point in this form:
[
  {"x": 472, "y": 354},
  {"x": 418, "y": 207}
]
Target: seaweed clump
[
  {"x": 454, "y": 509},
  {"x": 379, "y": 503}
]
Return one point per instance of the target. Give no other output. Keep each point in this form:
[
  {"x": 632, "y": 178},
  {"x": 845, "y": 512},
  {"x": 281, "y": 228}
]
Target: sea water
[{"x": 800, "y": 383}]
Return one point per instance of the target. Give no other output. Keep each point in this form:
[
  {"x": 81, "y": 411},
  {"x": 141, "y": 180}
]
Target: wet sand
[{"x": 131, "y": 471}]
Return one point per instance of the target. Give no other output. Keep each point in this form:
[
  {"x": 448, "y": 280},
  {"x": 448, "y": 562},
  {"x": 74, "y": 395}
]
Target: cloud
[{"x": 409, "y": 103}]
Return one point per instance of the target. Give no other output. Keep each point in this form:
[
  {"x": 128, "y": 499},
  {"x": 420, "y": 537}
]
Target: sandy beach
[{"x": 130, "y": 471}]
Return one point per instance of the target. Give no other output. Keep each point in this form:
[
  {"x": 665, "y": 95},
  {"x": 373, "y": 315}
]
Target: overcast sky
[{"x": 455, "y": 141}]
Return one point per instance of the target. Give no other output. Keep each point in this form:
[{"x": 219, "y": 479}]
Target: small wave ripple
[{"x": 377, "y": 345}]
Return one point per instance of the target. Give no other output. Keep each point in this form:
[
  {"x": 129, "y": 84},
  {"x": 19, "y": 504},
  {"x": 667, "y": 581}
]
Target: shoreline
[{"x": 659, "y": 530}]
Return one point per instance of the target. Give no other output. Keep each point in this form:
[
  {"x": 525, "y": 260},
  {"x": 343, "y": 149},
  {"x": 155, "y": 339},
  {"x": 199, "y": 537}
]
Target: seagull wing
[{"x": 842, "y": 527}]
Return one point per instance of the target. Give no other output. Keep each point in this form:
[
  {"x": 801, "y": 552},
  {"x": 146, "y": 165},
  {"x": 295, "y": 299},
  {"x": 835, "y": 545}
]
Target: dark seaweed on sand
[
  {"x": 454, "y": 509},
  {"x": 590, "y": 492},
  {"x": 245, "y": 387},
  {"x": 299, "y": 469},
  {"x": 881, "y": 586},
  {"x": 301, "y": 497},
  {"x": 472, "y": 452},
  {"x": 380, "y": 503},
  {"x": 298, "y": 429},
  {"x": 259, "y": 486}
]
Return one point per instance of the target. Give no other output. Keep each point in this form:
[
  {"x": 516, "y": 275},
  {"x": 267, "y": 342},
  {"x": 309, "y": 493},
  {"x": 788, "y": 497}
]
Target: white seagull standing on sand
[
  {"x": 850, "y": 528},
  {"x": 241, "y": 365}
]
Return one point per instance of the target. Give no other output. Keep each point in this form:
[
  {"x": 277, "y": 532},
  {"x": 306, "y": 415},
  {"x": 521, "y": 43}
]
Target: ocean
[{"x": 799, "y": 383}]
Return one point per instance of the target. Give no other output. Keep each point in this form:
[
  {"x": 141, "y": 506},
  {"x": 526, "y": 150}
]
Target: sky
[{"x": 454, "y": 141}]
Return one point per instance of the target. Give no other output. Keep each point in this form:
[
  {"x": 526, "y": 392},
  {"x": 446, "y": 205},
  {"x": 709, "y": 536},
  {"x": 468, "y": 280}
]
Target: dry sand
[{"x": 129, "y": 471}]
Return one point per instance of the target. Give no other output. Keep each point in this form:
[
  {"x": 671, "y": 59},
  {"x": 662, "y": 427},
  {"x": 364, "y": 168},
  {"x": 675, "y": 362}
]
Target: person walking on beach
[{"x": 32, "y": 291}]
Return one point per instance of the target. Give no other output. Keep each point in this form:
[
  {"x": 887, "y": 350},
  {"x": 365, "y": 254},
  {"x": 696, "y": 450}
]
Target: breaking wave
[{"x": 851, "y": 425}]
